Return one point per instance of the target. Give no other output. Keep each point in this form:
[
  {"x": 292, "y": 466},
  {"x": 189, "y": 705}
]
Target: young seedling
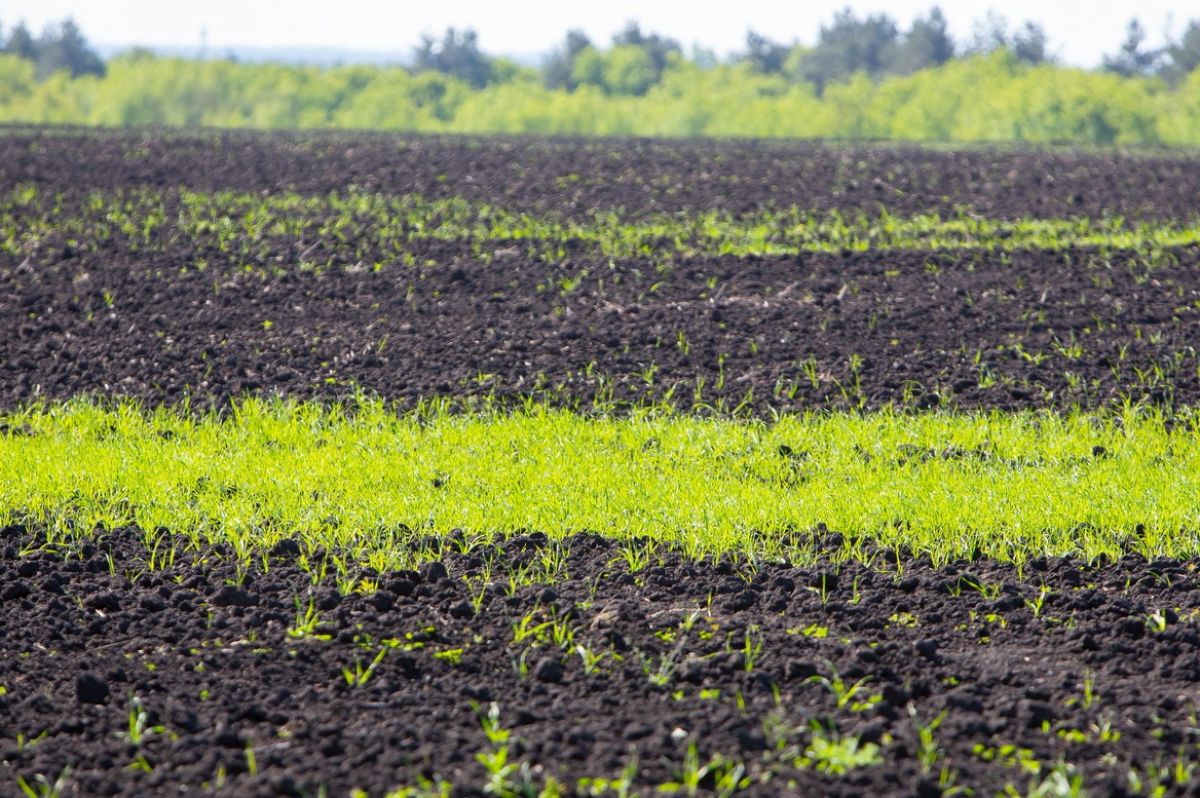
[
  {"x": 251, "y": 760},
  {"x": 500, "y": 772},
  {"x": 529, "y": 627},
  {"x": 1064, "y": 781},
  {"x": 1035, "y": 605},
  {"x": 986, "y": 590},
  {"x": 928, "y": 751},
  {"x": 1158, "y": 621},
  {"x": 451, "y": 656},
  {"x": 490, "y": 721},
  {"x": 562, "y": 632},
  {"x": 637, "y": 555},
  {"x": 25, "y": 743},
  {"x": 307, "y": 622},
  {"x": 43, "y": 787},
  {"x": 620, "y": 787},
  {"x": 478, "y": 591},
  {"x": 140, "y": 762},
  {"x": 727, "y": 776},
  {"x": 359, "y": 675},
  {"x": 752, "y": 647},
  {"x": 1089, "y": 696},
  {"x": 137, "y": 724},
  {"x": 591, "y": 659},
  {"x": 659, "y": 673},
  {"x": 843, "y": 692}
]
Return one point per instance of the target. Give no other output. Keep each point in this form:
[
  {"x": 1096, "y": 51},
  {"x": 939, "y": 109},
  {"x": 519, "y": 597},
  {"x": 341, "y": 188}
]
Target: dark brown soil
[
  {"x": 913, "y": 329},
  {"x": 576, "y": 176},
  {"x": 204, "y": 647}
]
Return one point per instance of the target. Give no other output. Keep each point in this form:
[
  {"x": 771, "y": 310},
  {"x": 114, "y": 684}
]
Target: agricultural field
[{"x": 354, "y": 465}]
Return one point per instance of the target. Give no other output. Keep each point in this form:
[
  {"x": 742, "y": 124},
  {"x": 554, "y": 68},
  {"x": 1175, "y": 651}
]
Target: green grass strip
[{"x": 362, "y": 478}]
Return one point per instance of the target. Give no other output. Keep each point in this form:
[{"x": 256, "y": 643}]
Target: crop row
[
  {"x": 363, "y": 229},
  {"x": 363, "y": 480}
]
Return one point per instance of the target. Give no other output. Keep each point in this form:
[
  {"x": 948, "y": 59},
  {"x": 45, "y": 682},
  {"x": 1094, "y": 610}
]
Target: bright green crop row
[
  {"x": 377, "y": 229},
  {"x": 362, "y": 479}
]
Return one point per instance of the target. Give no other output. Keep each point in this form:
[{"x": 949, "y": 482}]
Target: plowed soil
[
  {"x": 814, "y": 331},
  {"x": 640, "y": 176},
  {"x": 202, "y": 677},
  {"x": 205, "y": 648},
  {"x": 966, "y": 329}
]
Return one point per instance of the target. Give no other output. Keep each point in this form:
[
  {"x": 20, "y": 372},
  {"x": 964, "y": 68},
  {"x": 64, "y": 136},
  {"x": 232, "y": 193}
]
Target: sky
[{"x": 1080, "y": 32}]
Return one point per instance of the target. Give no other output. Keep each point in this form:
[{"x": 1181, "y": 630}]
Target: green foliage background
[{"x": 993, "y": 97}]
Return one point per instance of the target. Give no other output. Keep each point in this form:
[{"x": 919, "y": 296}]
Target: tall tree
[
  {"x": 22, "y": 43},
  {"x": 1133, "y": 58},
  {"x": 456, "y": 54},
  {"x": 1183, "y": 55},
  {"x": 558, "y": 69},
  {"x": 1030, "y": 44},
  {"x": 765, "y": 55},
  {"x": 63, "y": 46},
  {"x": 926, "y": 44},
  {"x": 850, "y": 45},
  {"x": 660, "y": 49}
]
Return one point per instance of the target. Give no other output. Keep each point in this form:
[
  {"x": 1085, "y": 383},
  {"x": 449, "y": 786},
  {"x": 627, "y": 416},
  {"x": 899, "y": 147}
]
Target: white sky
[{"x": 1080, "y": 31}]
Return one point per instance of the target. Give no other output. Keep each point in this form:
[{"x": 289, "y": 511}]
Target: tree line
[
  {"x": 862, "y": 77},
  {"x": 874, "y": 45}
]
